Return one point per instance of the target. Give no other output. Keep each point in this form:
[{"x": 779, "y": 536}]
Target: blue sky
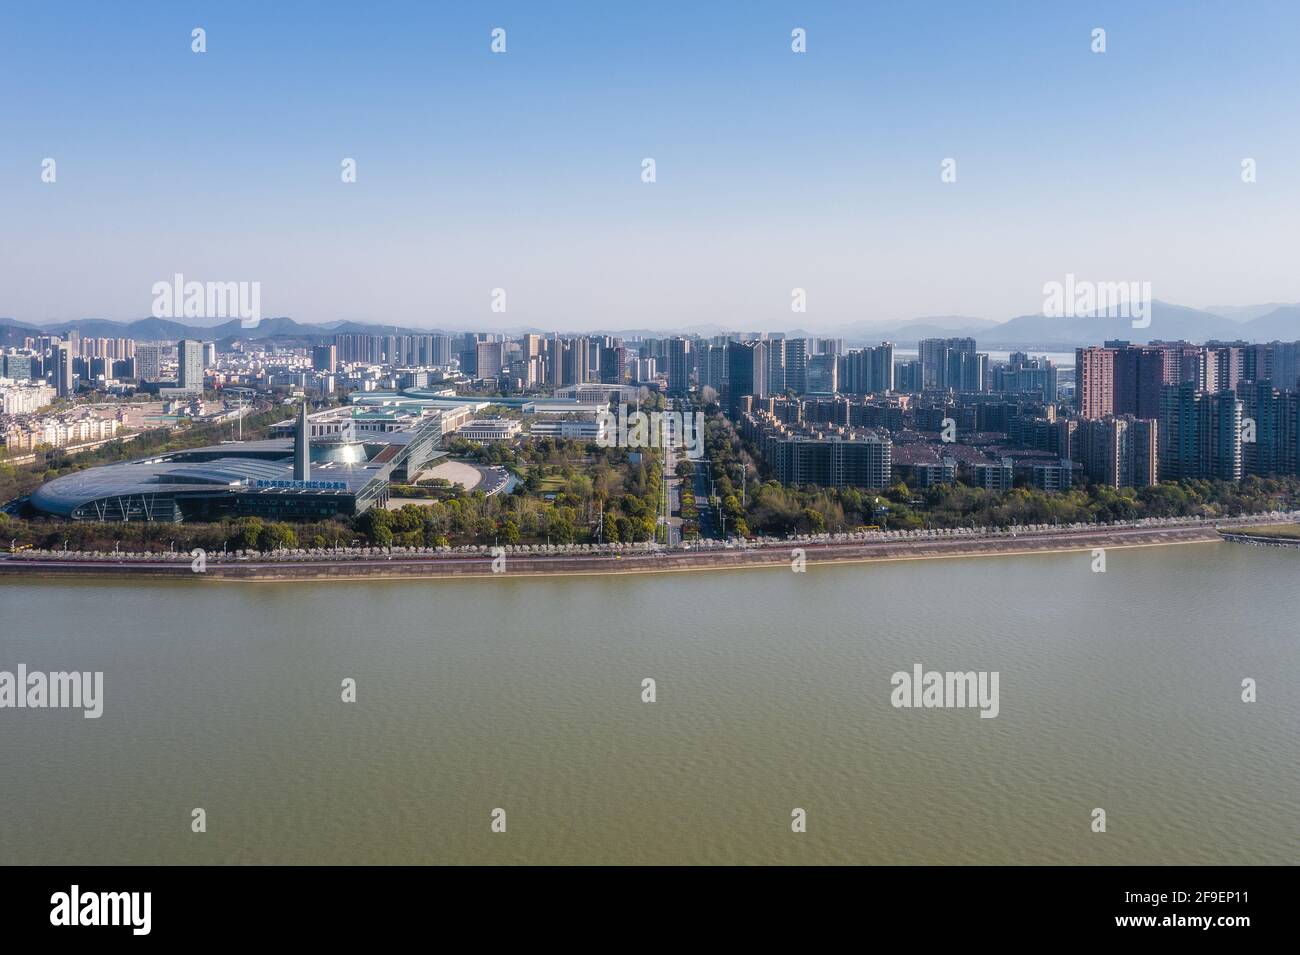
[{"x": 522, "y": 171}]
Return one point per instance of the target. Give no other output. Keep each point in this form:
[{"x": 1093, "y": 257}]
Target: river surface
[{"x": 1118, "y": 690}]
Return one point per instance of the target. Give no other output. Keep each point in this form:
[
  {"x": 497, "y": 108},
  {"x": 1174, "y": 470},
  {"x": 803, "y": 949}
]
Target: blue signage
[{"x": 305, "y": 485}]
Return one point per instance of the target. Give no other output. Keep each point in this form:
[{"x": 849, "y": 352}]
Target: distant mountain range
[{"x": 1252, "y": 323}]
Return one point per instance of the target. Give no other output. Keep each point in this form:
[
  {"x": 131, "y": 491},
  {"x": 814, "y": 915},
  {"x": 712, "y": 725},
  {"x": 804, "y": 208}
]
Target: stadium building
[{"x": 344, "y": 469}]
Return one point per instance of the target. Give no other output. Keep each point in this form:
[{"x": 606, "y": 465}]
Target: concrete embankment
[{"x": 657, "y": 562}]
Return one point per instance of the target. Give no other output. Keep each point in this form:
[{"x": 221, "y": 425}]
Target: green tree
[{"x": 274, "y": 536}]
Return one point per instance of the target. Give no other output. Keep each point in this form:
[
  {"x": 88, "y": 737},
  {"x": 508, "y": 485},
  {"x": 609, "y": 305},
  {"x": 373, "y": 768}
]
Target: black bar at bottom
[{"x": 238, "y": 903}]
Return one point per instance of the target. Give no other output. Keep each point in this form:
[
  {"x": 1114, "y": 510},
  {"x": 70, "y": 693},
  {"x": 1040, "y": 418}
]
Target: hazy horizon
[{"x": 522, "y": 171}]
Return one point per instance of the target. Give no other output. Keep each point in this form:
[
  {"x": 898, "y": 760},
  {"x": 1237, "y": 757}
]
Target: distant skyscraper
[
  {"x": 325, "y": 358},
  {"x": 1022, "y": 374},
  {"x": 865, "y": 371},
  {"x": 796, "y": 365},
  {"x": 907, "y": 376},
  {"x": 17, "y": 367},
  {"x": 1138, "y": 377},
  {"x": 1094, "y": 382},
  {"x": 776, "y": 377},
  {"x": 679, "y": 366},
  {"x": 968, "y": 371},
  {"x": 1285, "y": 360},
  {"x": 148, "y": 362},
  {"x": 63, "y": 378},
  {"x": 575, "y": 362},
  {"x": 189, "y": 374},
  {"x": 939, "y": 370},
  {"x": 712, "y": 361},
  {"x": 746, "y": 372},
  {"x": 1260, "y": 403},
  {"x": 1119, "y": 452},
  {"x": 823, "y": 374},
  {"x": 1224, "y": 426},
  {"x": 1200, "y": 434},
  {"x": 1179, "y": 412},
  {"x": 440, "y": 349},
  {"x": 490, "y": 359}
]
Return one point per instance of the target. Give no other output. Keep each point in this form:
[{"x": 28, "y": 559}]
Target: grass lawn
[{"x": 1273, "y": 530}]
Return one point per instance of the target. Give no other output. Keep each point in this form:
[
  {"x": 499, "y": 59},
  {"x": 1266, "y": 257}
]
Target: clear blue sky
[{"x": 522, "y": 170}]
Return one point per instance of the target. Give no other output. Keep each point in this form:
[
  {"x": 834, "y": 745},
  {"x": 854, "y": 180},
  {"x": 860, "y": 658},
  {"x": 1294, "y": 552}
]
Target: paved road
[
  {"x": 672, "y": 487},
  {"x": 708, "y": 514}
]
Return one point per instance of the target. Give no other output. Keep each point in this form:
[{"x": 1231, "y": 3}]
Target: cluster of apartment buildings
[
  {"x": 84, "y": 425},
  {"x": 510, "y": 365},
  {"x": 24, "y": 397},
  {"x": 66, "y": 361},
  {"x": 830, "y": 456},
  {"x": 1220, "y": 410},
  {"x": 66, "y": 430}
]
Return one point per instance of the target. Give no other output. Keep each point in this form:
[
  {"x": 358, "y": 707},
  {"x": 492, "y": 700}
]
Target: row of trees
[{"x": 246, "y": 533}]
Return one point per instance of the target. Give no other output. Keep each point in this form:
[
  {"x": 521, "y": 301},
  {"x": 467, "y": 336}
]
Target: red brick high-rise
[{"x": 1094, "y": 381}]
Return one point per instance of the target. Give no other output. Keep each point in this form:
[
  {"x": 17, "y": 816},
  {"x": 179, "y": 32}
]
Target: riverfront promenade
[{"x": 642, "y": 558}]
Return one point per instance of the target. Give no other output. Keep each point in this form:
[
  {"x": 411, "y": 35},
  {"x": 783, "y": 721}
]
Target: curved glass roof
[{"x": 187, "y": 472}]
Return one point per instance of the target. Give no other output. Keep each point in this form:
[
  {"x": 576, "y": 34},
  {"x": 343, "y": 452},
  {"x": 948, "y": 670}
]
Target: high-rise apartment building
[
  {"x": 796, "y": 365},
  {"x": 574, "y": 362},
  {"x": 865, "y": 371},
  {"x": 1138, "y": 376},
  {"x": 1200, "y": 434},
  {"x": 189, "y": 374},
  {"x": 1025, "y": 374},
  {"x": 776, "y": 378},
  {"x": 1094, "y": 382},
  {"x": 1120, "y": 451},
  {"x": 938, "y": 363},
  {"x": 680, "y": 357}
]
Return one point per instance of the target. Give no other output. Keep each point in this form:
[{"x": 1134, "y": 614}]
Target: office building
[
  {"x": 64, "y": 382},
  {"x": 325, "y": 358}
]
